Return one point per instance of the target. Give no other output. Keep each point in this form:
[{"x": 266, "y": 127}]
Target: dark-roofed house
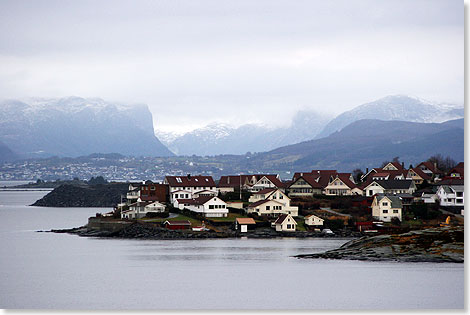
[
  {"x": 208, "y": 206},
  {"x": 342, "y": 184},
  {"x": 184, "y": 187},
  {"x": 272, "y": 202},
  {"x": 285, "y": 223},
  {"x": 304, "y": 185},
  {"x": 231, "y": 183},
  {"x": 385, "y": 207},
  {"x": 390, "y": 186}
]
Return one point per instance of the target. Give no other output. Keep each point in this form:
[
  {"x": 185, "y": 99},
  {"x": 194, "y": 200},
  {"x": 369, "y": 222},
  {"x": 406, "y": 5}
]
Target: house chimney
[
  {"x": 228, "y": 179},
  {"x": 189, "y": 176},
  {"x": 435, "y": 166},
  {"x": 301, "y": 174},
  {"x": 402, "y": 164},
  {"x": 367, "y": 170}
]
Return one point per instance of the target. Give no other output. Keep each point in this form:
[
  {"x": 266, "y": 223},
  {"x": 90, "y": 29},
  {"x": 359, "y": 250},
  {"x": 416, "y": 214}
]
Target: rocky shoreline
[
  {"x": 137, "y": 230},
  {"x": 443, "y": 244}
]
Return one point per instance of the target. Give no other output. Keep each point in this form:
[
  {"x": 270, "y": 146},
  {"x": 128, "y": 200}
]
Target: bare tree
[{"x": 443, "y": 163}]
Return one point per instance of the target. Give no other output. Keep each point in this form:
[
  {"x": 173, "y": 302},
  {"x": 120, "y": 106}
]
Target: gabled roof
[
  {"x": 260, "y": 202},
  {"x": 421, "y": 174},
  {"x": 459, "y": 168},
  {"x": 276, "y": 182},
  {"x": 312, "y": 215},
  {"x": 430, "y": 166},
  {"x": 245, "y": 221},
  {"x": 234, "y": 180},
  {"x": 309, "y": 178},
  {"x": 196, "y": 201},
  {"x": 345, "y": 178},
  {"x": 190, "y": 181},
  {"x": 393, "y": 183},
  {"x": 323, "y": 176},
  {"x": 265, "y": 191},
  {"x": 282, "y": 217},
  {"x": 395, "y": 200},
  {"x": 397, "y": 165}
]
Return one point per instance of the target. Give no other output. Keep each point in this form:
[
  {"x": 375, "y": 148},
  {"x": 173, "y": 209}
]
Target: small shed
[
  {"x": 177, "y": 224},
  {"x": 313, "y": 220},
  {"x": 242, "y": 224}
]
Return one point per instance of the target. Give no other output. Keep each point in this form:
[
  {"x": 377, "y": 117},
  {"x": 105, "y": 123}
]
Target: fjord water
[{"x": 62, "y": 271}]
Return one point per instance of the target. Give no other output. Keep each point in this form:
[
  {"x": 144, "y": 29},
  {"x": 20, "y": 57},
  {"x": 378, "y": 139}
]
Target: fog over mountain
[
  {"x": 75, "y": 126},
  {"x": 396, "y": 107},
  {"x": 219, "y": 138}
]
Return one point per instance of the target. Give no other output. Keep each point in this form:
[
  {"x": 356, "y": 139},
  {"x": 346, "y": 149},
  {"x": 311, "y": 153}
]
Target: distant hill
[
  {"x": 367, "y": 143},
  {"x": 395, "y": 107},
  {"x": 6, "y": 154},
  {"x": 75, "y": 126},
  {"x": 218, "y": 138}
]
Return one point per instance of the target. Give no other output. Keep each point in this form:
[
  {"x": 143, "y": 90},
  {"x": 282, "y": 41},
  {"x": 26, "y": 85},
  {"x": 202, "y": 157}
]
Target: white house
[
  {"x": 267, "y": 181},
  {"x": 313, "y": 220},
  {"x": 188, "y": 187},
  {"x": 140, "y": 209},
  {"x": 271, "y": 201},
  {"x": 390, "y": 186},
  {"x": 386, "y": 207},
  {"x": 285, "y": 223},
  {"x": 208, "y": 206},
  {"x": 342, "y": 184},
  {"x": 451, "y": 195}
]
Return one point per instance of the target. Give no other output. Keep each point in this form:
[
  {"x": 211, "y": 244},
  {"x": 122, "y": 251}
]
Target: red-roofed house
[
  {"x": 342, "y": 184},
  {"x": 304, "y": 185},
  {"x": 185, "y": 187},
  {"x": 208, "y": 206},
  {"x": 268, "y": 181},
  {"x": 418, "y": 176},
  {"x": 230, "y": 183}
]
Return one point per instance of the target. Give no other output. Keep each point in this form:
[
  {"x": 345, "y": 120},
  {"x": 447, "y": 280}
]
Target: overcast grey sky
[{"x": 194, "y": 62}]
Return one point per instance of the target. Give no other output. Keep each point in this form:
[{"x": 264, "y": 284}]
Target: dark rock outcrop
[
  {"x": 444, "y": 244},
  {"x": 106, "y": 195}
]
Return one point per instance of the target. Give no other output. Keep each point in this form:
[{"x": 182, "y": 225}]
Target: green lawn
[
  {"x": 230, "y": 218},
  {"x": 194, "y": 222}
]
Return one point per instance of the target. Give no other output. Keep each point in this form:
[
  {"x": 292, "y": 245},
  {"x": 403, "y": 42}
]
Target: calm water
[{"x": 59, "y": 271}]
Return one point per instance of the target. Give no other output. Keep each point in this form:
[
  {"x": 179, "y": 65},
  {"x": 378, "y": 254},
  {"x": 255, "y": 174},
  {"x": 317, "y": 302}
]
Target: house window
[
  {"x": 459, "y": 200},
  {"x": 289, "y": 226},
  {"x": 384, "y": 204},
  {"x": 371, "y": 192},
  {"x": 395, "y": 211},
  {"x": 281, "y": 197},
  {"x": 385, "y": 211},
  {"x": 178, "y": 179},
  {"x": 459, "y": 194},
  {"x": 268, "y": 207},
  {"x": 211, "y": 206}
]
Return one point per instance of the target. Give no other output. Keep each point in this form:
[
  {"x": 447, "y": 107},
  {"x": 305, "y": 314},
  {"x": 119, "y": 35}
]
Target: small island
[{"x": 442, "y": 244}]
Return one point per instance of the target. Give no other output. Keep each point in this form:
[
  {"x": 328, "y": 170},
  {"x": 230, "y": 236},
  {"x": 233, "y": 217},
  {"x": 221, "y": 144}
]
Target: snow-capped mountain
[
  {"x": 75, "y": 126},
  {"x": 396, "y": 107},
  {"x": 219, "y": 138}
]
